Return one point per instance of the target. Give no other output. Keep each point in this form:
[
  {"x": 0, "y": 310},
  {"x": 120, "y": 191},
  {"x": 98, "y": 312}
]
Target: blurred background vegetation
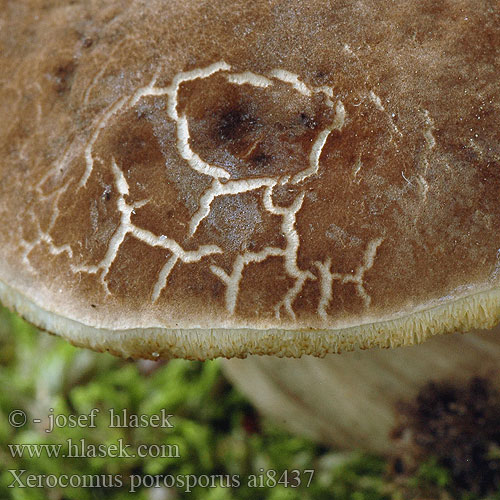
[{"x": 215, "y": 428}]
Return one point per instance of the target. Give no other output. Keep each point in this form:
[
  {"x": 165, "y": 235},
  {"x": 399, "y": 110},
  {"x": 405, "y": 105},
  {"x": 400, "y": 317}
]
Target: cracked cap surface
[{"x": 199, "y": 179}]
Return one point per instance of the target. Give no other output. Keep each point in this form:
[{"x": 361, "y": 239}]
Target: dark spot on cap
[
  {"x": 234, "y": 124},
  {"x": 261, "y": 159},
  {"x": 321, "y": 77},
  {"x": 62, "y": 76},
  {"x": 87, "y": 42},
  {"x": 307, "y": 121}
]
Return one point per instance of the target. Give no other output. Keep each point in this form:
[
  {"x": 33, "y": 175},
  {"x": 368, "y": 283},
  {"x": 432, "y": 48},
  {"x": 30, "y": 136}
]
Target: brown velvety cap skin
[{"x": 221, "y": 177}]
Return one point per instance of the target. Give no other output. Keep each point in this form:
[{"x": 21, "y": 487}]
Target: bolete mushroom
[{"x": 203, "y": 179}]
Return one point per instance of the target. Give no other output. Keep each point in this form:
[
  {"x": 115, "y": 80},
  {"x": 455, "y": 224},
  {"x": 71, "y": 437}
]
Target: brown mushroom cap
[{"x": 202, "y": 179}]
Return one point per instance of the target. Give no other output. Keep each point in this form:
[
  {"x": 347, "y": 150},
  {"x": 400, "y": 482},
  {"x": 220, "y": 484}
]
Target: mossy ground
[{"x": 216, "y": 432}]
